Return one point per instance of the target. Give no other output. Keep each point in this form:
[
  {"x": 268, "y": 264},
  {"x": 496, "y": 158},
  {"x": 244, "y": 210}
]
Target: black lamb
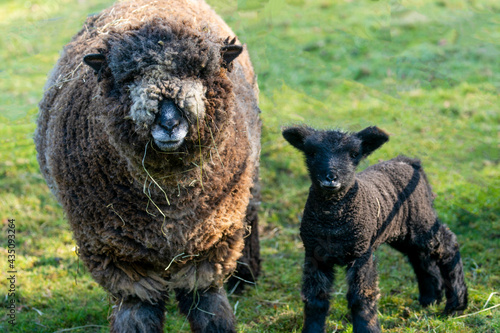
[{"x": 348, "y": 215}]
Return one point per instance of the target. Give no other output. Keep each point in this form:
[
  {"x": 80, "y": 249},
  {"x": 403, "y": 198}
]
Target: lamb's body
[
  {"x": 385, "y": 205},
  {"x": 146, "y": 220},
  {"x": 348, "y": 215}
]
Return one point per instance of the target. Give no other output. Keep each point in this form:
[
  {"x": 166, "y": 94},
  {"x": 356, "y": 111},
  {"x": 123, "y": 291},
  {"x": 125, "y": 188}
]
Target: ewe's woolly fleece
[{"x": 94, "y": 147}]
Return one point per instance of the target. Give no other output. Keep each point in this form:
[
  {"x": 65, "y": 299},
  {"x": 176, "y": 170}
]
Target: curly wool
[
  {"x": 370, "y": 213},
  {"x": 348, "y": 215},
  {"x": 134, "y": 210}
]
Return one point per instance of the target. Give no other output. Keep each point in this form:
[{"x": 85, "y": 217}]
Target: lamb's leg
[
  {"x": 317, "y": 283},
  {"x": 248, "y": 268},
  {"x": 207, "y": 311},
  {"x": 445, "y": 250},
  {"x": 135, "y": 316},
  {"x": 430, "y": 283},
  {"x": 363, "y": 294}
]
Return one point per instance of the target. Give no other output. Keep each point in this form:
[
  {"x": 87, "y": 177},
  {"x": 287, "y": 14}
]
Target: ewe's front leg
[
  {"x": 139, "y": 291},
  {"x": 132, "y": 315},
  {"x": 363, "y": 294},
  {"x": 207, "y": 311},
  {"x": 316, "y": 288}
]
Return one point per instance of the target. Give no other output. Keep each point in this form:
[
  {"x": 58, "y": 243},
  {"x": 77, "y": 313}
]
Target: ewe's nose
[
  {"x": 169, "y": 117},
  {"x": 169, "y": 125}
]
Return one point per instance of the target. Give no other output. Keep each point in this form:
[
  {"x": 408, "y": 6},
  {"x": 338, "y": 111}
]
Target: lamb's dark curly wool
[
  {"x": 348, "y": 215},
  {"x": 153, "y": 151}
]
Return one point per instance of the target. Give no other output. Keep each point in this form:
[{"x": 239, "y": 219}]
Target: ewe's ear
[
  {"x": 296, "y": 136},
  {"x": 230, "y": 51},
  {"x": 96, "y": 61},
  {"x": 371, "y": 138}
]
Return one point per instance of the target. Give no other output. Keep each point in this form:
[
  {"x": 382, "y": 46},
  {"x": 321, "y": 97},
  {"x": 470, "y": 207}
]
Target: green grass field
[{"x": 427, "y": 72}]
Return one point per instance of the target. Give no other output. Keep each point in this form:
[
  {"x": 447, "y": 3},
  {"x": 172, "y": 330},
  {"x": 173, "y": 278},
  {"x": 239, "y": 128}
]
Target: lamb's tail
[{"x": 414, "y": 162}]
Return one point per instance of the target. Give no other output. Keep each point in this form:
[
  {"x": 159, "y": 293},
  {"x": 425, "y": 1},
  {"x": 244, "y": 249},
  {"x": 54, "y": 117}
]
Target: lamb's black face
[
  {"x": 332, "y": 156},
  {"x": 170, "y": 126}
]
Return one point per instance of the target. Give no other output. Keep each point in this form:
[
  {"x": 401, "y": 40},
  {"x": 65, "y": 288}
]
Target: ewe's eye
[{"x": 354, "y": 154}]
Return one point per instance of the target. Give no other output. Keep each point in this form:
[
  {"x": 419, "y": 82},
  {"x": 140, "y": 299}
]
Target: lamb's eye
[
  {"x": 354, "y": 154},
  {"x": 311, "y": 153}
]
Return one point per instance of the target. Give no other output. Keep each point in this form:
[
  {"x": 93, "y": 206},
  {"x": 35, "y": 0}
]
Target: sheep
[
  {"x": 148, "y": 135},
  {"x": 348, "y": 215}
]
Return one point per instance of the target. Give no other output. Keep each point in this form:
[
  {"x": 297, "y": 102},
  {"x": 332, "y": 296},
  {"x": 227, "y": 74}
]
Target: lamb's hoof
[
  {"x": 453, "y": 310},
  {"x": 426, "y": 301},
  {"x": 455, "y": 307}
]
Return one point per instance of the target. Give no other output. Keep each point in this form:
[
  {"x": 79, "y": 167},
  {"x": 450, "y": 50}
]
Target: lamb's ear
[
  {"x": 372, "y": 138},
  {"x": 296, "y": 136},
  {"x": 230, "y": 51},
  {"x": 95, "y": 61}
]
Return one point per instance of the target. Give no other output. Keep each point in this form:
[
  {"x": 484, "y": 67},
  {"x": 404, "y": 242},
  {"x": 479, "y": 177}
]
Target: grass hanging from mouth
[
  {"x": 161, "y": 189},
  {"x": 152, "y": 179}
]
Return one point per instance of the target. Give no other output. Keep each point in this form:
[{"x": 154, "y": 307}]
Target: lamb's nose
[{"x": 331, "y": 177}]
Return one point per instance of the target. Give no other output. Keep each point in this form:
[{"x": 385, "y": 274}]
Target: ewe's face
[
  {"x": 162, "y": 67},
  {"x": 168, "y": 108},
  {"x": 332, "y": 156}
]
